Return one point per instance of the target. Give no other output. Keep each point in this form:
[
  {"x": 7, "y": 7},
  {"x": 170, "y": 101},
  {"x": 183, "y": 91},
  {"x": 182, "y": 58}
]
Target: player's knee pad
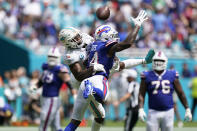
[
  {"x": 99, "y": 120},
  {"x": 98, "y": 95}
]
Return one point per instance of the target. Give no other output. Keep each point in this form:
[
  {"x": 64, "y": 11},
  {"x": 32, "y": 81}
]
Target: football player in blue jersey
[
  {"x": 94, "y": 90},
  {"x": 54, "y": 75},
  {"x": 160, "y": 84}
]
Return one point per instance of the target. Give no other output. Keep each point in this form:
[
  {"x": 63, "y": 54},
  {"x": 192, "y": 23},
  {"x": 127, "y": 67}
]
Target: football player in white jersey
[{"x": 73, "y": 41}]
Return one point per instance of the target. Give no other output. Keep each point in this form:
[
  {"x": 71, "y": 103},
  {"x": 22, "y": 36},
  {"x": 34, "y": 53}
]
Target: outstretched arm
[
  {"x": 142, "y": 16},
  {"x": 134, "y": 62},
  {"x": 129, "y": 63},
  {"x": 79, "y": 73}
]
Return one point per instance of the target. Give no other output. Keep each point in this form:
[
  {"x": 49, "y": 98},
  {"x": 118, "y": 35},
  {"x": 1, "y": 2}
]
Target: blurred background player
[
  {"x": 160, "y": 85},
  {"x": 54, "y": 75},
  {"x": 94, "y": 90},
  {"x": 193, "y": 87},
  {"x": 6, "y": 112},
  {"x": 132, "y": 100}
]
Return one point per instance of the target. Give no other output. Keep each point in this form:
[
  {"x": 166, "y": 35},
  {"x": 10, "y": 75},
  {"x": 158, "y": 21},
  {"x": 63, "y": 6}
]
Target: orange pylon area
[{"x": 83, "y": 123}]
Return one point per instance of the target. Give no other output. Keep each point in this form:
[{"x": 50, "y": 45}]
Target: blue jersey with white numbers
[
  {"x": 51, "y": 82},
  {"x": 160, "y": 89},
  {"x": 98, "y": 54}
]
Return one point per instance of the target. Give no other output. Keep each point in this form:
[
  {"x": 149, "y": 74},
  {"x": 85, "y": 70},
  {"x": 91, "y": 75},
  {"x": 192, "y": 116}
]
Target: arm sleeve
[
  {"x": 143, "y": 76},
  {"x": 63, "y": 69},
  {"x": 176, "y": 75},
  {"x": 109, "y": 44},
  {"x": 133, "y": 62},
  {"x": 130, "y": 89},
  {"x": 69, "y": 85}
]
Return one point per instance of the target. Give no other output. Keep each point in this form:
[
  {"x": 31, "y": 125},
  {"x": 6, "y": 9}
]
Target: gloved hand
[
  {"x": 116, "y": 64},
  {"x": 98, "y": 67},
  {"x": 188, "y": 115},
  {"x": 32, "y": 89},
  {"x": 142, "y": 16},
  {"x": 142, "y": 115},
  {"x": 149, "y": 56}
]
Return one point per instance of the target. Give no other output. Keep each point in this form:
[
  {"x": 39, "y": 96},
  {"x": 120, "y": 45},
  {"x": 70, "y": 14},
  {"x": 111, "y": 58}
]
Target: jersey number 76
[{"x": 164, "y": 85}]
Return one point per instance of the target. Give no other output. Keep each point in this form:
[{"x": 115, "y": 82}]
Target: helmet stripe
[
  {"x": 53, "y": 49},
  {"x": 159, "y": 54}
]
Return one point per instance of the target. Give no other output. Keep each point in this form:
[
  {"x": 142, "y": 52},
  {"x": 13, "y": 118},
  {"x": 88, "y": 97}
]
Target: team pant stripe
[
  {"x": 92, "y": 105},
  {"x": 104, "y": 86},
  {"x": 48, "y": 114}
]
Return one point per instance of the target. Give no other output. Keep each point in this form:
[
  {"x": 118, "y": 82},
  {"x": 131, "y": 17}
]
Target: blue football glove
[{"x": 149, "y": 56}]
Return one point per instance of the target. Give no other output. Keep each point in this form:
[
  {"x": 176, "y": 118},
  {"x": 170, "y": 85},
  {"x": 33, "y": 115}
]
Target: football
[{"x": 103, "y": 13}]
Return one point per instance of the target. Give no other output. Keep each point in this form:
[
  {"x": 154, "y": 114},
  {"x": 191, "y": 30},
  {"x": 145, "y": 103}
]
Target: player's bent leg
[
  {"x": 153, "y": 121},
  {"x": 72, "y": 126},
  {"x": 99, "y": 113},
  {"x": 89, "y": 89},
  {"x": 167, "y": 123},
  {"x": 80, "y": 107},
  {"x": 97, "y": 123}
]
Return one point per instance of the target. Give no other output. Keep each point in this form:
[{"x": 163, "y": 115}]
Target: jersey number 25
[{"x": 164, "y": 85}]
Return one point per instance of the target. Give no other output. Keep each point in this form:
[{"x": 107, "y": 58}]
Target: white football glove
[
  {"x": 142, "y": 115},
  {"x": 32, "y": 89},
  {"x": 142, "y": 16},
  {"x": 188, "y": 115},
  {"x": 98, "y": 67}
]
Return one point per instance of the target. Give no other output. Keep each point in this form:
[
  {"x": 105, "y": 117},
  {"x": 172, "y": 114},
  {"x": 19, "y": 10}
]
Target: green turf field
[
  {"x": 109, "y": 126},
  {"x": 88, "y": 129}
]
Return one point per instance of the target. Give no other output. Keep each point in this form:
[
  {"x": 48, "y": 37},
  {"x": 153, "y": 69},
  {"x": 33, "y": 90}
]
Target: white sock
[{"x": 96, "y": 126}]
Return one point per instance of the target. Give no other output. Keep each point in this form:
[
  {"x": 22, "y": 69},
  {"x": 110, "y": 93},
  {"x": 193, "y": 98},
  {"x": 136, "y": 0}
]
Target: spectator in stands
[
  {"x": 6, "y": 112},
  {"x": 7, "y": 75},
  {"x": 176, "y": 19},
  {"x": 23, "y": 83},
  {"x": 33, "y": 43},
  {"x": 13, "y": 94},
  {"x": 35, "y": 107},
  {"x": 186, "y": 72},
  {"x": 194, "y": 73}
]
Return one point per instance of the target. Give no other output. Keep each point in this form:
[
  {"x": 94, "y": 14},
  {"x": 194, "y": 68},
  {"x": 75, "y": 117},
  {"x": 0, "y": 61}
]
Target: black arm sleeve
[{"x": 69, "y": 85}]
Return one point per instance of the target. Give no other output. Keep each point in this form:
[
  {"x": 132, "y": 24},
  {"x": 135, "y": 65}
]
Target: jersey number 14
[{"x": 164, "y": 85}]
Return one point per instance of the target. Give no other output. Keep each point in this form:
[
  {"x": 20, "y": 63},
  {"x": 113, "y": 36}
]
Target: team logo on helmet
[{"x": 105, "y": 29}]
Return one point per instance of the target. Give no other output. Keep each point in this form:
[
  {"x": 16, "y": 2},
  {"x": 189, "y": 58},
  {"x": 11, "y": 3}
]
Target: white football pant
[
  {"x": 50, "y": 113},
  {"x": 81, "y": 104},
  {"x": 163, "y": 120}
]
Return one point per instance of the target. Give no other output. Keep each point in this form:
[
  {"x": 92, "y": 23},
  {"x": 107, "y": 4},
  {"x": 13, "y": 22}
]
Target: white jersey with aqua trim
[{"x": 72, "y": 56}]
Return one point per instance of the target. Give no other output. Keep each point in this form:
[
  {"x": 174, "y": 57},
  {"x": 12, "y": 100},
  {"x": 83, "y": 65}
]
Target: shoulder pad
[
  {"x": 63, "y": 69},
  {"x": 110, "y": 42},
  {"x": 44, "y": 66},
  {"x": 144, "y": 74}
]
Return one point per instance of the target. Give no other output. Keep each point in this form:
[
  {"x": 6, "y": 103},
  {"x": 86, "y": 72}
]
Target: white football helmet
[
  {"x": 129, "y": 73},
  {"x": 159, "y": 61},
  {"x": 54, "y": 56},
  {"x": 105, "y": 33},
  {"x": 71, "y": 37}
]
